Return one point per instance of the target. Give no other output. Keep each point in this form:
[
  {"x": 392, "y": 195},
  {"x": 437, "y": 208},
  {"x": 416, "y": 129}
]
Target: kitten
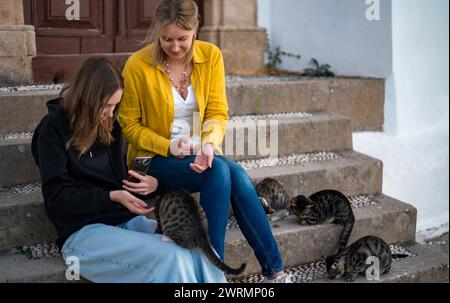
[
  {"x": 181, "y": 218},
  {"x": 326, "y": 206},
  {"x": 352, "y": 261},
  {"x": 272, "y": 195}
]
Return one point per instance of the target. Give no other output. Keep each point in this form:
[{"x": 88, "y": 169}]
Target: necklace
[{"x": 181, "y": 87}]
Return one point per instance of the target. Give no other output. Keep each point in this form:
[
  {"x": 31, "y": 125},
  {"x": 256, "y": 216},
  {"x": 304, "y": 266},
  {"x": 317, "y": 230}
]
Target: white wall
[
  {"x": 409, "y": 48},
  {"x": 420, "y": 54},
  {"x": 333, "y": 31},
  {"x": 414, "y": 147}
]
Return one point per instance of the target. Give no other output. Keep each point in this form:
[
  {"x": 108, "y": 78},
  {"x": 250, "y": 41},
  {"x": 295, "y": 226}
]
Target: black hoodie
[{"x": 76, "y": 189}]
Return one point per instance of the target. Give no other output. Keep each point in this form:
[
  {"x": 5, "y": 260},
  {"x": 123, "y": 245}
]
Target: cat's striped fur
[
  {"x": 325, "y": 206},
  {"x": 182, "y": 219},
  {"x": 352, "y": 261},
  {"x": 272, "y": 195}
]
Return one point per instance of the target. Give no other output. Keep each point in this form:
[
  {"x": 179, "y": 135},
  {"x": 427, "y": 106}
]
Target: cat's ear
[
  {"x": 330, "y": 260},
  {"x": 301, "y": 200}
]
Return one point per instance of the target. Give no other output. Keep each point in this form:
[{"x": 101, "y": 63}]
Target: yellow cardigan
[{"x": 147, "y": 109}]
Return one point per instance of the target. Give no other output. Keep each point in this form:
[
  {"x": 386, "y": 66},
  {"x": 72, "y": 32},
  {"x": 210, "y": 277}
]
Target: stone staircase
[{"x": 316, "y": 118}]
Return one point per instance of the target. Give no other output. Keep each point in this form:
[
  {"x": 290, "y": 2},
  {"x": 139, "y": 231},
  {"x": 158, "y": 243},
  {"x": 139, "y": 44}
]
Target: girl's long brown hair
[
  {"x": 183, "y": 13},
  {"x": 83, "y": 99}
]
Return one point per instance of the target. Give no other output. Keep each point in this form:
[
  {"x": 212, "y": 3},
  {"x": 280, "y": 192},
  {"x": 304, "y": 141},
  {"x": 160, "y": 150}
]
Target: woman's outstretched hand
[
  {"x": 146, "y": 185},
  {"x": 181, "y": 148},
  {"x": 203, "y": 159},
  {"x": 133, "y": 204}
]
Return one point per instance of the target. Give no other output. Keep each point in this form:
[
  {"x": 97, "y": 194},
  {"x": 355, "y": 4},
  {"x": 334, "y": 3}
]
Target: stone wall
[
  {"x": 17, "y": 43},
  {"x": 232, "y": 25}
]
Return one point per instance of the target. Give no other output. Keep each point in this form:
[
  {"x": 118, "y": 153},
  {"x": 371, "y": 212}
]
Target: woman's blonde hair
[
  {"x": 183, "y": 13},
  {"x": 83, "y": 99}
]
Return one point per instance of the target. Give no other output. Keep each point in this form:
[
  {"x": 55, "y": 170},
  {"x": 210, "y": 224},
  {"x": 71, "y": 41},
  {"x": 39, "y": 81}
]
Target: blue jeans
[
  {"x": 133, "y": 252},
  {"x": 216, "y": 185}
]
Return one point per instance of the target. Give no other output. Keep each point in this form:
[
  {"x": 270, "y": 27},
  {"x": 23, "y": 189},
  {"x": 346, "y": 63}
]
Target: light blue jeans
[{"x": 133, "y": 253}]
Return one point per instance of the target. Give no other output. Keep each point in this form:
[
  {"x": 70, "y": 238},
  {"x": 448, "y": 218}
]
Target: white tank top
[{"x": 183, "y": 118}]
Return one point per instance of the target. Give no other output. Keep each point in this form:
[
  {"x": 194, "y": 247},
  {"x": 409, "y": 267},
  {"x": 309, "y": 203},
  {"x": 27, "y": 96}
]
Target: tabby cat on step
[
  {"x": 182, "y": 219},
  {"x": 272, "y": 195},
  {"x": 352, "y": 261},
  {"x": 325, "y": 206}
]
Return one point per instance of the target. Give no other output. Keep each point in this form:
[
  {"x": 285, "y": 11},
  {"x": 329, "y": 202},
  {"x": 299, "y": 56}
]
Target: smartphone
[{"x": 140, "y": 165}]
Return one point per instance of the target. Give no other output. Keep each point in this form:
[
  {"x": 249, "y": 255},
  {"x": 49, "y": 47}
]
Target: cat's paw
[
  {"x": 166, "y": 239},
  {"x": 350, "y": 278}
]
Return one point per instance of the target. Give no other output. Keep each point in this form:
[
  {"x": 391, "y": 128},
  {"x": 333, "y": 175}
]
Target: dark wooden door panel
[
  {"x": 93, "y": 33},
  {"x": 112, "y": 28},
  {"x": 134, "y": 19},
  {"x": 50, "y": 18}
]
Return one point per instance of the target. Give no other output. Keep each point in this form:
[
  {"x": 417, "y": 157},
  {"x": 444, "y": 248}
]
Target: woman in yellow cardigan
[{"x": 174, "y": 108}]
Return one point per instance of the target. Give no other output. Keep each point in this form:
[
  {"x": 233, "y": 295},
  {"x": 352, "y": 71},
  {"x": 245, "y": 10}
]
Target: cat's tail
[
  {"x": 345, "y": 235},
  {"x": 215, "y": 259},
  {"x": 399, "y": 256}
]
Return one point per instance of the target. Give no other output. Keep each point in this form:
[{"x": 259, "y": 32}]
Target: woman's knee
[
  {"x": 239, "y": 175},
  {"x": 219, "y": 170}
]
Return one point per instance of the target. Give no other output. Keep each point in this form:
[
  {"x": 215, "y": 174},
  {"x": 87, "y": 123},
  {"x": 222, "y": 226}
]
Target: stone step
[
  {"x": 18, "y": 166},
  {"x": 348, "y": 171},
  {"x": 425, "y": 263},
  {"x": 429, "y": 264},
  {"x": 390, "y": 219},
  {"x": 16, "y": 268},
  {"x": 23, "y": 221},
  {"x": 21, "y": 111},
  {"x": 297, "y": 133},
  {"x": 362, "y": 100}
]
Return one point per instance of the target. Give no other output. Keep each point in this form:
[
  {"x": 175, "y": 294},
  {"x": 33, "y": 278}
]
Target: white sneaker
[{"x": 283, "y": 278}]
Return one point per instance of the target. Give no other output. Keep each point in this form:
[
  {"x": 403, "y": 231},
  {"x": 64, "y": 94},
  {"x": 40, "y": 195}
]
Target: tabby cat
[
  {"x": 326, "y": 206},
  {"x": 272, "y": 195},
  {"x": 181, "y": 218},
  {"x": 352, "y": 261}
]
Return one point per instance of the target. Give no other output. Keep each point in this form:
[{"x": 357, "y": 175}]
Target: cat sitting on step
[
  {"x": 325, "y": 206},
  {"x": 352, "y": 261},
  {"x": 182, "y": 219}
]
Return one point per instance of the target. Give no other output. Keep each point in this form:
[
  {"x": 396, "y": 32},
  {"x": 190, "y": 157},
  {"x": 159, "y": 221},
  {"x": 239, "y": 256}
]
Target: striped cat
[
  {"x": 182, "y": 219},
  {"x": 326, "y": 206},
  {"x": 272, "y": 195},
  {"x": 352, "y": 261}
]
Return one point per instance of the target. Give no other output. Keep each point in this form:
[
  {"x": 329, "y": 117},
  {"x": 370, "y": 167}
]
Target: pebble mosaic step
[
  {"x": 426, "y": 264},
  {"x": 313, "y": 271},
  {"x": 360, "y": 99},
  {"x": 295, "y": 133},
  {"x": 23, "y": 220}
]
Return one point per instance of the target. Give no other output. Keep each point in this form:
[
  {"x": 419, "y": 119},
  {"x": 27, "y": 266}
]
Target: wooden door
[
  {"x": 134, "y": 19},
  {"x": 93, "y": 33},
  {"x": 111, "y": 28}
]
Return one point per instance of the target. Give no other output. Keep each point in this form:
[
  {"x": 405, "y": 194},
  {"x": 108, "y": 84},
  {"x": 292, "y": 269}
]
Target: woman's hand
[
  {"x": 133, "y": 204},
  {"x": 204, "y": 158},
  {"x": 146, "y": 185},
  {"x": 181, "y": 148}
]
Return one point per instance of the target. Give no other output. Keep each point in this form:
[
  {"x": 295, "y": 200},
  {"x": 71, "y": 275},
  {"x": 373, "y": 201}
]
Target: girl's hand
[
  {"x": 181, "y": 148},
  {"x": 204, "y": 158},
  {"x": 146, "y": 185},
  {"x": 133, "y": 204}
]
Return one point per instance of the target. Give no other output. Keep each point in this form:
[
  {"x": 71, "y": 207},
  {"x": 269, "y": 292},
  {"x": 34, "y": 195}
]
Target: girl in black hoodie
[{"x": 100, "y": 219}]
